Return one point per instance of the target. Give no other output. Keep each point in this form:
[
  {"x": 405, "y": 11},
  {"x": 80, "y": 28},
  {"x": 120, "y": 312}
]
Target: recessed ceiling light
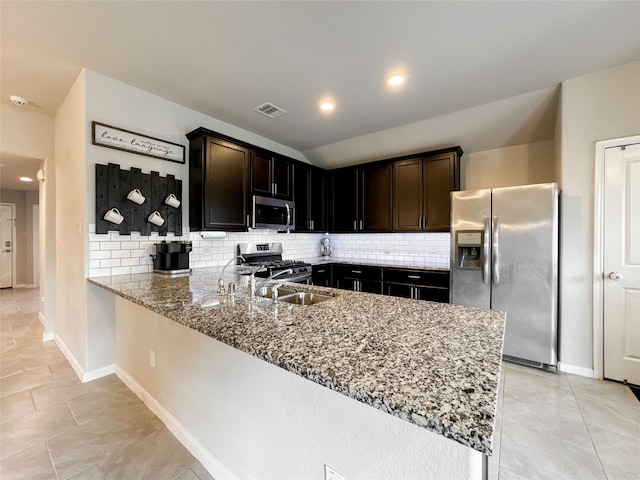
[
  {"x": 396, "y": 80},
  {"x": 26, "y": 179},
  {"x": 327, "y": 106}
]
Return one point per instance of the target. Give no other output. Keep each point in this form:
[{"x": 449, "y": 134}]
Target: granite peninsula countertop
[{"x": 434, "y": 365}]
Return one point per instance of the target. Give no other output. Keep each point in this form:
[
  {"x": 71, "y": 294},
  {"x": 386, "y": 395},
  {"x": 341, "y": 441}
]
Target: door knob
[{"x": 617, "y": 276}]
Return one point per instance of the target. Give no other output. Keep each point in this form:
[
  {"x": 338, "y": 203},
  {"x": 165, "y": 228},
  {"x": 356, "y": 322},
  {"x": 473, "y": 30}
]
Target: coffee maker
[{"x": 172, "y": 258}]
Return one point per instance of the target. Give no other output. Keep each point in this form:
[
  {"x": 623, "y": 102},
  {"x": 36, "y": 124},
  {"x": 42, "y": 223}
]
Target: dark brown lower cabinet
[
  {"x": 359, "y": 278},
  {"x": 321, "y": 275},
  {"x": 419, "y": 284}
]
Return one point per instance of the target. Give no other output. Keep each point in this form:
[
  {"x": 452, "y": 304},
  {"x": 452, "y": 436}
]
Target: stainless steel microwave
[{"x": 273, "y": 213}]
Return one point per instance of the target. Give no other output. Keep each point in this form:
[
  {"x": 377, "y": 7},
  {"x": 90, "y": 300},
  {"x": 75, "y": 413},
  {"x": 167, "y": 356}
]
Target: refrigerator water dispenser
[{"x": 469, "y": 249}]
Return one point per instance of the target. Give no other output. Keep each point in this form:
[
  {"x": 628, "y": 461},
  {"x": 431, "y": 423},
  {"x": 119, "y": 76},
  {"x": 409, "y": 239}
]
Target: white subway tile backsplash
[
  {"x": 110, "y": 263},
  {"x": 99, "y": 254},
  {"x": 121, "y": 271},
  {"x": 110, "y": 245},
  {"x": 129, "y": 262},
  {"x": 131, "y": 253}
]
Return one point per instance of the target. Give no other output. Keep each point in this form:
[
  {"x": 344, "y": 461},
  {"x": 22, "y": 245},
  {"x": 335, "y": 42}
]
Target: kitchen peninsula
[{"x": 433, "y": 366}]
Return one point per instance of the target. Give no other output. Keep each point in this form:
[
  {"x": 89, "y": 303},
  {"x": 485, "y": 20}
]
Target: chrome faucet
[
  {"x": 252, "y": 281},
  {"x": 221, "y": 288}
]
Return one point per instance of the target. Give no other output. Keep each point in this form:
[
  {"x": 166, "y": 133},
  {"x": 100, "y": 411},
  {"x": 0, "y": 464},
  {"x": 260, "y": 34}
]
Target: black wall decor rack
[{"x": 114, "y": 184}]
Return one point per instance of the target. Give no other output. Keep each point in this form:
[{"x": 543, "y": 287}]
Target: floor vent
[{"x": 270, "y": 110}]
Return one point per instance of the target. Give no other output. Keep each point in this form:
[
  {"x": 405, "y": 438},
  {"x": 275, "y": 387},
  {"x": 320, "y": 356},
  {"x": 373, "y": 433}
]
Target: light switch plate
[{"x": 331, "y": 474}]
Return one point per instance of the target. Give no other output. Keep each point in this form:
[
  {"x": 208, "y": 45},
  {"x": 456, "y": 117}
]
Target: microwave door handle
[
  {"x": 286, "y": 205},
  {"x": 485, "y": 251}
]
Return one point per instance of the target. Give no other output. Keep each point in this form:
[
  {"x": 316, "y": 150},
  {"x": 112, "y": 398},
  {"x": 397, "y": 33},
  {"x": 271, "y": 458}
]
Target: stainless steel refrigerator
[{"x": 504, "y": 256}]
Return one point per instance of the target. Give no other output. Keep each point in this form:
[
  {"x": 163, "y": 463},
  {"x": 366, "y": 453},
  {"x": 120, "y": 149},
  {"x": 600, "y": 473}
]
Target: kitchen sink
[
  {"x": 291, "y": 296},
  {"x": 304, "y": 298}
]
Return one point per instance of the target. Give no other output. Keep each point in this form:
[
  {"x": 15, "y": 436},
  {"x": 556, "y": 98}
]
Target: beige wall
[
  {"x": 504, "y": 167},
  {"x": 595, "y": 107},
  {"x": 71, "y": 198}
]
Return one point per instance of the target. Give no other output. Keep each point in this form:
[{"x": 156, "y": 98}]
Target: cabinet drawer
[
  {"x": 357, "y": 271},
  {"x": 429, "y": 278}
]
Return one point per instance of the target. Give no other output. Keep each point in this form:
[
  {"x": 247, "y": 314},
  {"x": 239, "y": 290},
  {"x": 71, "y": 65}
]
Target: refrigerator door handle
[
  {"x": 495, "y": 254},
  {"x": 485, "y": 251}
]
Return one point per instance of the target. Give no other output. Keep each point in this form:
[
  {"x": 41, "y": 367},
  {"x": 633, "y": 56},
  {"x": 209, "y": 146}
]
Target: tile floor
[{"x": 52, "y": 426}]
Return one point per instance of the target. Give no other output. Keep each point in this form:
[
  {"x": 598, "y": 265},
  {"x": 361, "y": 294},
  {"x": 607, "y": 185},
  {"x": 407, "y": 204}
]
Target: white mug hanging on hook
[
  {"x": 136, "y": 196},
  {"x": 114, "y": 216},
  {"x": 172, "y": 201},
  {"x": 156, "y": 219}
]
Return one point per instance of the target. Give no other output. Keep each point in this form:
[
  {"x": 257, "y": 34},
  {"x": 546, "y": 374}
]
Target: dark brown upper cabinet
[
  {"x": 271, "y": 176},
  {"x": 343, "y": 194},
  {"x": 310, "y": 198},
  {"x": 362, "y": 198},
  {"x": 376, "y": 206},
  {"x": 422, "y": 186},
  {"x": 218, "y": 180}
]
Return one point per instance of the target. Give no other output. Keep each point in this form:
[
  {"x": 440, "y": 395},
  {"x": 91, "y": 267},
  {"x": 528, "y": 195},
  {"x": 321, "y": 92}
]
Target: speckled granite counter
[
  {"x": 434, "y": 365},
  {"x": 375, "y": 263}
]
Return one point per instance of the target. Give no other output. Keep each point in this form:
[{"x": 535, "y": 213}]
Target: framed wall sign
[{"x": 120, "y": 139}]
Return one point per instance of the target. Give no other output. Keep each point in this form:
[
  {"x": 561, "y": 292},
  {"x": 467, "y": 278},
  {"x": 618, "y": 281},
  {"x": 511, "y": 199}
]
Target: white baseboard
[
  {"x": 41, "y": 318},
  {"x": 30, "y": 285},
  {"x": 48, "y": 336},
  {"x": 18, "y": 285},
  {"x": 98, "y": 373},
  {"x": 582, "y": 371},
  {"x": 70, "y": 357},
  {"x": 83, "y": 375},
  {"x": 213, "y": 465}
]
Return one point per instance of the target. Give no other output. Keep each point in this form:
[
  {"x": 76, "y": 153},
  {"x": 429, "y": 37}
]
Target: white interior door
[
  {"x": 622, "y": 263},
  {"x": 6, "y": 245}
]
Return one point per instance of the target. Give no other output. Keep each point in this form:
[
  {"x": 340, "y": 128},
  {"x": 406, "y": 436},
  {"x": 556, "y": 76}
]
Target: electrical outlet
[
  {"x": 331, "y": 474},
  {"x": 152, "y": 358}
]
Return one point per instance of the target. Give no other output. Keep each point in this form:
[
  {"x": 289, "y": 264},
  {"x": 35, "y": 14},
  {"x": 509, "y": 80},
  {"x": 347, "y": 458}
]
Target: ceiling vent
[{"x": 270, "y": 110}]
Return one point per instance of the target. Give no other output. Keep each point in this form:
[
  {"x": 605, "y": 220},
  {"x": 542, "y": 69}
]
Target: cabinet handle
[
  {"x": 424, "y": 221},
  {"x": 320, "y": 271},
  {"x": 361, "y": 225},
  {"x": 355, "y": 225},
  {"x": 417, "y": 277},
  {"x": 313, "y": 226},
  {"x": 248, "y": 221},
  {"x": 356, "y": 271},
  {"x": 275, "y": 188}
]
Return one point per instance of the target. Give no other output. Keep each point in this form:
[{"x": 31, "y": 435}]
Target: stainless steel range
[{"x": 269, "y": 256}]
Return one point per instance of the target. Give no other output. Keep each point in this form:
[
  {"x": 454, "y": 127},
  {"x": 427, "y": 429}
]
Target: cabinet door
[
  {"x": 321, "y": 275},
  {"x": 261, "y": 174},
  {"x": 225, "y": 186},
  {"x": 370, "y": 286},
  {"x": 398, "y": 289},
  {"x": 376, "y": 212},
  {"x": 433, "y": 294},
  {"x": 439, "y": 180},
  {"x": 408, "y": 195},
  {"x": 301, "y": 193},
  {"x": 282, "y": 178},
  {"x": 344, "y": 194},
  {"x": 317, "y": 200}
]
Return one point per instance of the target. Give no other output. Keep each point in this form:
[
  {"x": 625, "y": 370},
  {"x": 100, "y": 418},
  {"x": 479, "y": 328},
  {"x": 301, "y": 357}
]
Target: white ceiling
[
  {"x": 12, "y": 167},
  {"x": 225, "y": 58}
]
